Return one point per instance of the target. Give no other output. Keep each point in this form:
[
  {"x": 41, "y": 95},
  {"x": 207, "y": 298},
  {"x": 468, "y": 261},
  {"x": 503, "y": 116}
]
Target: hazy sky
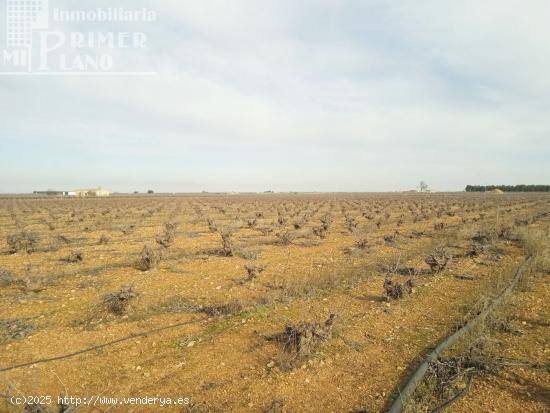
[{"x": 295, "y": 95}]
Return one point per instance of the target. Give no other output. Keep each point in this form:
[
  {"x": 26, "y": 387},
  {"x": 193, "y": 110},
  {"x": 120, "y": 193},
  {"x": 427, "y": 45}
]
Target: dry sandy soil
[{"x": 195, "y": 325}]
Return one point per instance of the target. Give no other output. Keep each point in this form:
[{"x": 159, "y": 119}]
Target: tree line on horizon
[{"x": 508, "y": 188}]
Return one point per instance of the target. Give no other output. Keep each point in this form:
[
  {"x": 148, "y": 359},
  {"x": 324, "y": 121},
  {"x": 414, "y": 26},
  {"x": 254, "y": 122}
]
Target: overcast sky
[{"x": 294, "y": 95}]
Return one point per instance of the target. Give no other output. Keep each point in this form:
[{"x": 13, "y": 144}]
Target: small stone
[
  {"x": 191, "y": 344},
  {"x": 271, "y": 364}
]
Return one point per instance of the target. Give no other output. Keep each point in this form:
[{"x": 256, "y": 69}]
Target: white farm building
[{"x": 95, "y": 192}]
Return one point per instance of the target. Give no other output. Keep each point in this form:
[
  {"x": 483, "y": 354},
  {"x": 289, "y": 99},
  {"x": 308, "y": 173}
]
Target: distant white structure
[
  {"x": 52, "y": 192},
  {"x": 80, "y": 193},
  {"x": 94, "y": 192}
]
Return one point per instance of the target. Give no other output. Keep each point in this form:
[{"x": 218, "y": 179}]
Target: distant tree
[
  {"x": 508, "y": 188},
  {"x": 423, "y": 186},
  {"x": 150, "y": 191}
]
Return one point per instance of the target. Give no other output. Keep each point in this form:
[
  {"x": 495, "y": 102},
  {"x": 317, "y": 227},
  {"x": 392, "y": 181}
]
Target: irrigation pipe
[
  {"x": 96, "y": 347},
  {"x": 418, "y": 375}
]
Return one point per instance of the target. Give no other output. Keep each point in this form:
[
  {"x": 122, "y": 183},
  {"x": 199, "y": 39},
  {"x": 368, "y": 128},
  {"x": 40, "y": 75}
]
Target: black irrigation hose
[
  {"x": 97, "y": 347},
  {"x": 418, "y": 375}
]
